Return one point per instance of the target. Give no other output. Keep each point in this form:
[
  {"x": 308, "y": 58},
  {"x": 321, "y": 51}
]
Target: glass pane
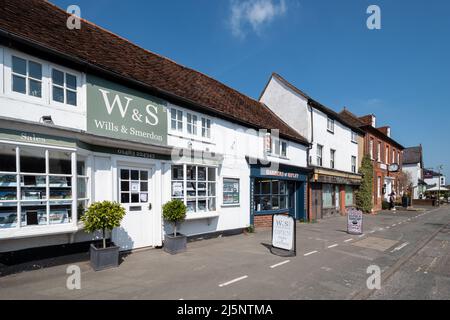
[
  {"x": 125, "y": 186},
  {"x": 201, "y": 173},
  {"x": 32, "y": 188},
  {"x": 125, "y": 197},
  {"x": 144, "y": 186},
  {"x": 257, "y": 187},
  {"x": 190, "y": 173},
  {"x": 212, "y": 204},
  {"x": 135, "y": 198},
  {"x": 35, "y": 70},
  {"x": 201, "y": 205},
  {"x": 177, "y": 172},
  {"x": 71, "y": 81},
  {"x": 8, "y": 215},
  {"x": 82, "y": 207},
  {"x": 60, "y": 213},
  {"x": 144, "y": 175},
  {"x": 283, "y": 189},
  {"x": 58, "y": 94},
  {"x": 81, "y": 166},
  {"x": 134, "y": 175},
  {"x": 35, "y": 88},
  {"x": 191, "y": 206},
  {"x": 82, "y": 188},
  {"x": 71, "y": 97},
  {"x": 61, "y": 193},
  {"x": 124, "y": 174},
  {"x": 283, "y": 202},
  {"x": 275, "y": 203},
  {"x": 265, "y": 187},
  {"x": 60, "y": 182},
  {"x": 8, "y": 187},
  {"x": 327, "y": 196},
  {"x": 265, "y": 203},
  {"x": 60, "y": 162},
  {"x": 19, "y": 84},
  {"x": 177, "y": 189},
  {"x": 191, "y": 189},
  {"x": 19, "y": 65},
  {"x": 211, "y": 174},
  {"x": 173, "y": 124},
  {"x": 7, "y": 158},
  {"x": 211, "y": 189},
  {"x": 58, "y": 77},
  {"x": 33, "y": 214},
  {"x": 275, "y": 187},
  {"x": 32, "y": 160}
]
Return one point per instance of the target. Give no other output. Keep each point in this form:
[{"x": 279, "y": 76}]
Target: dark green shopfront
[{"x": 279, "y": 189}]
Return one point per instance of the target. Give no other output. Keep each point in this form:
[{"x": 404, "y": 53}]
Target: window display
[
  {"x": 200, "y": 184},
  {"x": 230, "y": 191},
  {"x": 270, "y": 195}
]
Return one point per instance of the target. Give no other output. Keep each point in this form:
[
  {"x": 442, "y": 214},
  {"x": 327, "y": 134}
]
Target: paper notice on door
[{"x": 135, "y": 186}]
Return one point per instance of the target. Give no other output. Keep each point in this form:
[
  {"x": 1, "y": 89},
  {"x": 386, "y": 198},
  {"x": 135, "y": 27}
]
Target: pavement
[{"x": 411, "y": 248}]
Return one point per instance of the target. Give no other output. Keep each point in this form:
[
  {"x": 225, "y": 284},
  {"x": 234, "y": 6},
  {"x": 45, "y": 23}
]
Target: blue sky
[{"x": 400, "y": 73}]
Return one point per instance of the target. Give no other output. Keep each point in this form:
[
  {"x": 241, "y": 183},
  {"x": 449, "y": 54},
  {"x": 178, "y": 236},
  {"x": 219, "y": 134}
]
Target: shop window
[
  {"x": 26, "y": 77},
  {"x": 349, "y": 196},
  {"x": 44, "y": 193},
  {"x": 270, "y": 195},
  {"x": 328, "y": 196},
  {"x": 64, "y": 87},
  {"x": 230, "y": 191},
  {"x": 197, "y": 188},
  {"x": 133, "y": 186}
]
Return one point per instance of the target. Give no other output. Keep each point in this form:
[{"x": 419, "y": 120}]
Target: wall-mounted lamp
[{"x": 47, "y": 119}]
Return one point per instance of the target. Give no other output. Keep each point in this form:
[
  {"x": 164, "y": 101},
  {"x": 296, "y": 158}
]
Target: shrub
[
  {"x": 365, "y": 192},
  {"x": 174, "y": 212},
  {"x": 103, "y": 216},
  {"x": 385, "y": 205}
]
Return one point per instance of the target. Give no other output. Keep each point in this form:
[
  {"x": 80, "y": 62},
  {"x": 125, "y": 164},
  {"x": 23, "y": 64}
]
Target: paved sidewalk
[{"x": 330, "y": 264}]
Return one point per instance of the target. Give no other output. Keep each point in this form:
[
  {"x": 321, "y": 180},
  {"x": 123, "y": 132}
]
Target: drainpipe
[{"x": 309, "y": 163}]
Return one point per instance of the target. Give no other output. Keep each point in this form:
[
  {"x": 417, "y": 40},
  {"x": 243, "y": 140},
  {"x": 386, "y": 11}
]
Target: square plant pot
[
  {"x": 175, "y": 244},
  {"x": 104, "y": 258}
]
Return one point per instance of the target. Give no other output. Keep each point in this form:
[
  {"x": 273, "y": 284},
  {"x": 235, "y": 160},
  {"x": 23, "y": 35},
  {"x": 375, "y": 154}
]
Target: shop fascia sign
[
  {"x": 122, "y": 113},
  {"x": 35, "y": 138},
  {"x": 281, "y": 174}
]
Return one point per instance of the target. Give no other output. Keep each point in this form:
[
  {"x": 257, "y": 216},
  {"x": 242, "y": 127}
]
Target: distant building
[
  {"x": 413, "y": 164},
  {"x": 433, "y": 178}
]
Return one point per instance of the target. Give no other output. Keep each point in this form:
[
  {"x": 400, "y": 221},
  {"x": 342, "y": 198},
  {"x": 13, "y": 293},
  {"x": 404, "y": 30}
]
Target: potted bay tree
[
  {"x": 103, "y": 216},
  {"x": 174, "y": 212}
]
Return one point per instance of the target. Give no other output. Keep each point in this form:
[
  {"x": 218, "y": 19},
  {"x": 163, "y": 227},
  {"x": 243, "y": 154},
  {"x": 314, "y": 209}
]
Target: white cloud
[{"x": 254, "y": 14}]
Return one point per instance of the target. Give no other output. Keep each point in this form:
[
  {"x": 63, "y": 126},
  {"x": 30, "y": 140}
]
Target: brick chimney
[
  {"x": 386, "y": 130},
  {"x": 369, "y": 120}
]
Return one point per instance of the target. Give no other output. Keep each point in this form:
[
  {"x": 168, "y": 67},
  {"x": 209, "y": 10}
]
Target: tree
[
  {"x": 103, "y": 216},
  {"x": 364, "y": 196},
  {"x": 174, "y": 211},
  {"x": 405, "y": 183}
]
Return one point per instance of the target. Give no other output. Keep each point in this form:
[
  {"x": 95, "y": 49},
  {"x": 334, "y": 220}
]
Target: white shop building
[{"x": 69, "y": 137}]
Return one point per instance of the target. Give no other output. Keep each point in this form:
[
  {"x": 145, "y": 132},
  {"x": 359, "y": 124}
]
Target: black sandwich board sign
[
  {"x": 283, "y": 235},
  {"x": 355, "y": 221}
]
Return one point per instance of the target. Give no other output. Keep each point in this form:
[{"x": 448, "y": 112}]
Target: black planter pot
[
  {"x": 175, "y": 244},
  {"x": 104, "y": 258}
]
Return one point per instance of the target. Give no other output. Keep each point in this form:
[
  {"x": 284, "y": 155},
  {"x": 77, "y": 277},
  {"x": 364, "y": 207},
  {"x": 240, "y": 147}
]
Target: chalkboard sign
[
  {"x": 283, "y": 235},
  {"x": 354, "y": 221}
]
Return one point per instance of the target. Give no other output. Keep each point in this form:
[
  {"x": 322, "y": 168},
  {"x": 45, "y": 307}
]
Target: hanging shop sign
[
  {"x": 119, "y": 112},
  {"x": 283, "y": 235},
  {"x": 355, "y": 221}
]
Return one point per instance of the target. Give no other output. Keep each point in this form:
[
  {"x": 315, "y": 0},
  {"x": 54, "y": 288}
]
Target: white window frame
[
  {"x": 206, "y": 125},
  {"x": 386, "y": 154},
  {"x": 393, "y": 156},
  {"x": 354, "y": 160},
  {"x": 278, "y": 152},
  {"x": 379, "y": 151},
  {"x": 371, "y": 141},
  {"x": 354, "y": 137},
  {"x": 79, "y": 89},
  {"x": 193, "y": 124},
  {"x": 177, "y": 120},
  {"x": 330, "y": 121},
  {"x": 238, "y": 192},
  {"x": 319, "y": 155},
  {"x": 332, "y": 158}
]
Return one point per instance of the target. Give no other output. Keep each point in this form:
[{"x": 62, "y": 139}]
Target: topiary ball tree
[
  {"x": 174, "y": 212},
  {"x": 105, "y": 215}
]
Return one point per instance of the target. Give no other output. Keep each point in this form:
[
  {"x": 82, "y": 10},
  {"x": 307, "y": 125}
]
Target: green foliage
[
  {"x": 365, "y": 192},
  {"x": 103, "y": 216},
  {"x": 251, "y": 229},
  {"x": 385, "y": 205},
  {"x": 174, "y": 211}
]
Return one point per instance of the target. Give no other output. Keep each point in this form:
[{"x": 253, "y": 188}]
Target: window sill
[
  {"x": 189, "y": 137},
  {"x": 203, "y": 215},
  {"x": 36, "y": 231},
  {"x": 231, "y": 205},
  {"x": 332, "y": 132}
]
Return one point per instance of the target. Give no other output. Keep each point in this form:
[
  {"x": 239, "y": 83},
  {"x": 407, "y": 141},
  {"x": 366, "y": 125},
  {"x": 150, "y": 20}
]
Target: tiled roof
[
  {"x": 44, "y": 25},
  {"x": 412, "y": 155}
]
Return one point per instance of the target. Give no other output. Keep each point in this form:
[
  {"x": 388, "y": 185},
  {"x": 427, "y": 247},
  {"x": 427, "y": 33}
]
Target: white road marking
[
  {"x": 400, "y": 247},
  {"x": 388, "y": 227},
  {"x": 280, "y": 264},
  {"x": 348, "y": 240},
  {"x": 361, "y": 235},
  {"x": 333, "y": 246},
  {"x": 372, "y": 231},
  {"x": 394, "y": 224},
  {"x": 233, "y": 281},
  {"x": 310, "y": 253},
  {"x": 431, "y": 265}
]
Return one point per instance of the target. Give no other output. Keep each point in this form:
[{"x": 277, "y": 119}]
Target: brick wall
[{"x": 263, "y": 221}]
